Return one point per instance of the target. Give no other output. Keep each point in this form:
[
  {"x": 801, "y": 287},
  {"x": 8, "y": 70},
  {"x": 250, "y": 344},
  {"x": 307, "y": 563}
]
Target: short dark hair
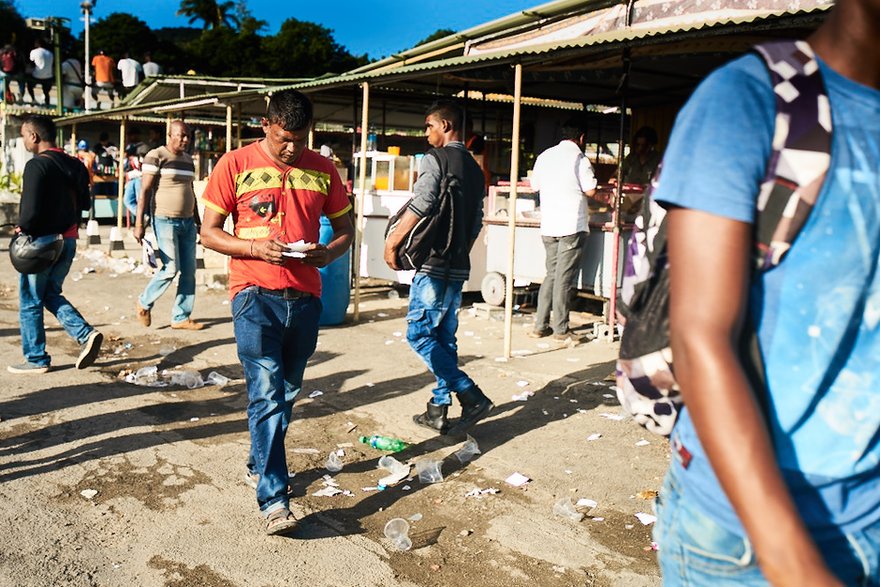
[
  {"x": 447, "y": 110},
  {"x": 290, "y": 109},
  {"x": 647, "y": 133},
  {"x": 572, "y": 130},
  {"x": 42, "y": 125}
]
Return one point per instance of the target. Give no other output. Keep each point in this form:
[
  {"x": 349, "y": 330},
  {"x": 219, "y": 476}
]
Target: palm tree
[{"x": 213, "y": 13}]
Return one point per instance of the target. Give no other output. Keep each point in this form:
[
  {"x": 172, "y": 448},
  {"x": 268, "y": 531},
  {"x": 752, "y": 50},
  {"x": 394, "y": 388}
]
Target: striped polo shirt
[{"x": 174, "y": 196}]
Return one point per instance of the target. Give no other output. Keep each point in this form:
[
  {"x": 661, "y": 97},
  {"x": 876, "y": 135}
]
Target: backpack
[
  {"x": 646, "y": 385},
  {"x": 8, "y": 61},
  {"x": 439, "y": 232}
]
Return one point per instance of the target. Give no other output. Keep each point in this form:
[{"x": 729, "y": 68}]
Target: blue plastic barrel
[{"x": 335, "y": 281}]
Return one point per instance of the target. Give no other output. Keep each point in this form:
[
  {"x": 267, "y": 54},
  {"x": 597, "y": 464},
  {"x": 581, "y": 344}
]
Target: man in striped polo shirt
[{"x": 169, "y": 172}]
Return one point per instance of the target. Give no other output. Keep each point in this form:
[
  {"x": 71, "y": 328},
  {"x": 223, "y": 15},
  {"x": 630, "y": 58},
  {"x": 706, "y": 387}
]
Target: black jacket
[{"x": 53, "y": 186}]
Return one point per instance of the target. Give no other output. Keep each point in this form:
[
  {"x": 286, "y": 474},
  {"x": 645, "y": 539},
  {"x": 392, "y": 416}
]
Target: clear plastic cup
[
  {"x": 397, "y": 531},
  {"x": 468, "y": 451},
  {"x": 564, "y": 508},
  {"x": 429, "y": 471},
  {"x": 395, "y": 468},
  {"x": 334, "y": 463},
  {"x": 215, "y": 378}
]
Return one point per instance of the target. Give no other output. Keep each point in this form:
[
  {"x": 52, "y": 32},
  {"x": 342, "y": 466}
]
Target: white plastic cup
[
  {"x": 397, "y": 531},
  {"x": 334, "y": 463},
  {"x": 564, "y": 508},
  {"x": 468, "y": 451}
]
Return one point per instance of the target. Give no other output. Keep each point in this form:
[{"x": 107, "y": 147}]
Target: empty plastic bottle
[{"x": 384, "y": 443}]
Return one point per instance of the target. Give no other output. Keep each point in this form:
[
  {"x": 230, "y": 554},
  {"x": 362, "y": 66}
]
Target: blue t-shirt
[{"x": 817, "y": 313}]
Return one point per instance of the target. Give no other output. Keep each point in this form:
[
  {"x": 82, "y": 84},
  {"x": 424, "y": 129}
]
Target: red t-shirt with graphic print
[{"x": 269, "y": 201}]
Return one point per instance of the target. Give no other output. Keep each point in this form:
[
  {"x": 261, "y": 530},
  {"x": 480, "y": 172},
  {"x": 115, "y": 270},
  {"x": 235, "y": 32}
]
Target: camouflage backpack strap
[{"x": 801, "y": 148}]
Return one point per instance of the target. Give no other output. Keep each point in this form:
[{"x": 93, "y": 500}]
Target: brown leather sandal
[{"x": 281, "y": 522}]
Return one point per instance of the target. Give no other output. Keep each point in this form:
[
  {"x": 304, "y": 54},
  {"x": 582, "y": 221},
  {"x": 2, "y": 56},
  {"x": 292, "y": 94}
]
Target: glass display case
[{"x": 386, "y": 172}]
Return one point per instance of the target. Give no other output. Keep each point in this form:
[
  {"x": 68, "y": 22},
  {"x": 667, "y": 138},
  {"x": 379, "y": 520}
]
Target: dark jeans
[
  {"x": 563, "y": 259},
  {"x": 275, "y": 338},
  {"x": 432, "y": 321}
]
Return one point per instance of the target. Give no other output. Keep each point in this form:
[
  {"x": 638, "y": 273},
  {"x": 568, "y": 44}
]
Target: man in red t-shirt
[{"x": 276, "y": 191}]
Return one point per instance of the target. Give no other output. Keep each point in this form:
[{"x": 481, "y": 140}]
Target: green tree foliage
[
  {"x": 12, "y": 27},
  {"x": 306, "y": 49},
  {"x": 119, "y": 33},
  {"x": 225, "y": 52},
  {"x": 213, "y": 14}
]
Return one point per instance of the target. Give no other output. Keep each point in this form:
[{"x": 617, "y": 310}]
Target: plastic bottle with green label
[{"x": 384, "y": 443}]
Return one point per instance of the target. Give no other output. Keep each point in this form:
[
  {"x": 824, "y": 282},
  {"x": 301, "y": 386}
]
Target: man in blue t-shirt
[{"x": 787, "y": 493}]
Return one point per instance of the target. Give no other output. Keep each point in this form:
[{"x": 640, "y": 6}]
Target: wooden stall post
[
  {"x": 116, "y": 243},
  {"x": 511, "y": 210},
  {"x": 359, "y": 200},
  {"x": 228, "y": 127}
]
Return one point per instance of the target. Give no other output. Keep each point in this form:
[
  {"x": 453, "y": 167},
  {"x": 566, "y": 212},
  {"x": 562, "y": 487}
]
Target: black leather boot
[
  {"x": 434, "y": 418},
  {"x": 474, "y": 407}
]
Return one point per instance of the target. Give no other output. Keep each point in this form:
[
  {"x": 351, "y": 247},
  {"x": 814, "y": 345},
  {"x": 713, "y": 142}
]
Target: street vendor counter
[{"x": 597, "y": 271}]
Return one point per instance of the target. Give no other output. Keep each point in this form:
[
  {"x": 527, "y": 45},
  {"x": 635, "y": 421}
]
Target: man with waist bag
[
  {"x": 276, "y": 191},
  {"x": 53, "y": 184}
]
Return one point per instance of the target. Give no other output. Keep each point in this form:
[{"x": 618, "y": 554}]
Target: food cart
[{"x": 596, "y": 274}]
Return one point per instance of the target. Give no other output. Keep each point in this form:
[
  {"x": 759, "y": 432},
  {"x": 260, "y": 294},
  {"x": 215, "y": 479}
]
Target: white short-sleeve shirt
[{"x": 562, "y": 174}]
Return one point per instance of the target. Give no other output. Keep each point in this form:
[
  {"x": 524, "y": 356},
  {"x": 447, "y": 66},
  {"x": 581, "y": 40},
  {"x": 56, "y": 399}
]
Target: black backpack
[
  {"x": 440, "y": 232},
  {"x": 646, "y": 384}
]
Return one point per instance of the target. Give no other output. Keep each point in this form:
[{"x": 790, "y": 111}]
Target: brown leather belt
[{"x": 288, "y": 293}]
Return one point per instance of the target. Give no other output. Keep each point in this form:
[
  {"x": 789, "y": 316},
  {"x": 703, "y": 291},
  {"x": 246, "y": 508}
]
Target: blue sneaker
[{"x": 27, "y": 368}]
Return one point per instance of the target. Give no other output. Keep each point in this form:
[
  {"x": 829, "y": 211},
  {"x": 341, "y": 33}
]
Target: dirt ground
[{"x": 171, "y": 507}]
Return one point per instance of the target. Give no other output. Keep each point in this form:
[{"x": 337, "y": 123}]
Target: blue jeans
[
  {"x": 40, "y": 291},
  {"x": 131, "y": 194},
  {"x": 432, "y": 321},
  {"x": 275, "y": 338},
  {"x": 176, "y": 242},
  {"x": 562, "y": 261},
  {"x": 695, "y": 550}
]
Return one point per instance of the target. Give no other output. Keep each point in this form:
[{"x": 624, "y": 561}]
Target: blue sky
[{"x": 376, "y": 27}]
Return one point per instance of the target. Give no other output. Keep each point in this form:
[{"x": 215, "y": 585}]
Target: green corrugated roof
[{"x": 518, "y": 54}]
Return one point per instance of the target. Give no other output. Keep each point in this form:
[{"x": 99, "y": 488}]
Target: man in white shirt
[
  {"x": 43, "y": 61},
  {"x": 72, "y": 83},
  {"x": 151, "y": 68},
  {"x": 564, "y": 178},
  {"x": 131, "y": 71}
]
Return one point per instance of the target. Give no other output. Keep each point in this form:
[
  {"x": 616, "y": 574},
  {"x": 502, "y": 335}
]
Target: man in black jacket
[
  {"x": 435, "y": 295},
  {"x": 54, "y": 185}
]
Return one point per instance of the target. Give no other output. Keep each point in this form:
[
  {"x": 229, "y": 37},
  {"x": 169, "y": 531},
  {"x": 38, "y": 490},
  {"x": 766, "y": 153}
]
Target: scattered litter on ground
[
  {"x": 316, "y": 393},
  {"x": 193, "y": 419},
  {"x": 481, "y": 492},
  {"x": 646, "y": 519},
  {"x": 598, "y": 519},
  {"x": 328, "y": 491},
  {"x": 615, "y": 417},
  {"x": 415, "y": 517},
  {"x": 608, "y": 395},
  {"x": 305, "y": 451},
  {"x": 397, "y": 333},
  {"x": 215, "y": 378},
  {"x": 517, "y": 480},
  {"x": 406, "y": 488},
  {"x": 382, "y": 315},
  {"x": 642, "y": 442},
  {"x": 88, "y": 493},
  {"x": 370, "y": 384},
  {"x": 522, "y": 383},
  {"x": 586, "y": 503},
  {"x": 522, "y": 397},
  {"x": 333, "y": 463},
  {"x": 350, "y": 427},
  {"x": 465, "y": 532},
  {"x": 594, "y": 436}
]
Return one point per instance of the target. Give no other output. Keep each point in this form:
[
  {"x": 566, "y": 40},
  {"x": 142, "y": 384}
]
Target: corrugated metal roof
[{"x": 626, "y": 36}]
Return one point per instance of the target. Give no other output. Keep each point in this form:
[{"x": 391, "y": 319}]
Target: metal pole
[
  {"x": 87, "y": 66},
  {"x": 359, "y": 200},
  {"x": 511, "y": 210},
  {"x": 228, "y": 128},
  {"x": 238, "y": 126},
  {"x": 56, "y": 46},
  {"x": 120, "y": 187},
  {"x": 618, "y": 198}
]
